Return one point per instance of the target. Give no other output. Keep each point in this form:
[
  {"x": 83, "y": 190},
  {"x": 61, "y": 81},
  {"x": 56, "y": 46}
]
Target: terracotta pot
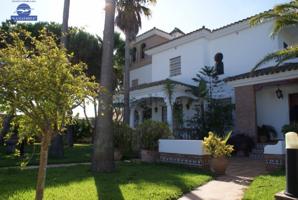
[
  {"x": 219, "y": 165},
  {"x": 149, "y": 156},
  {"x": 117, "y": 155}
]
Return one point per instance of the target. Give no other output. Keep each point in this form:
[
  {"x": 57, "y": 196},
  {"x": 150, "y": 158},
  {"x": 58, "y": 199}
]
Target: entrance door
[{"x": 293, "y": 102}]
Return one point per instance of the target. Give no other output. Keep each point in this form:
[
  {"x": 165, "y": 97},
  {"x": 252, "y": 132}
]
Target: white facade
[
  {"x": 271, "y": 110},
  {"x": 242, "y": 47}
]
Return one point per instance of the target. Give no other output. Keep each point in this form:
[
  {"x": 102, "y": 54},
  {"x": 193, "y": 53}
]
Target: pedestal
[{"x": 282, "y": 196}]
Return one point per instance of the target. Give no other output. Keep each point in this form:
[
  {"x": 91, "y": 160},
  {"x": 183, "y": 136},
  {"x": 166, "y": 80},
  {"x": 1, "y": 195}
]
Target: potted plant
[
  {"x": 293, "y": 127},
  {"x": 219, "y": 151},
  {"x": 149, "y": 133}
]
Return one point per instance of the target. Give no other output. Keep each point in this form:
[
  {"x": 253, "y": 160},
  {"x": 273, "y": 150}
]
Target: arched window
[
  {"x": 134, "y": 54},
  {"x": 143, "y": 47}
]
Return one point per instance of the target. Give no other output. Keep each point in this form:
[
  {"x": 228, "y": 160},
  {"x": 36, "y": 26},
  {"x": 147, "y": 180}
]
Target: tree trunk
[
  {"x": 43, "y": 160},
  {"x": 126, "y": 80},
  {"x": 5, "y": 127},
  {"x": 103, "y": 153},
  {"x": 57, "y": 147},
  {"x": 69, "y": 135},
  {"x": 64, "y": 28}
]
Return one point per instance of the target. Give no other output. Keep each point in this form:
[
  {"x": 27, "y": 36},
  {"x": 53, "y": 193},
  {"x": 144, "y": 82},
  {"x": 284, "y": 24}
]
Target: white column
[
  {"x": 169, "y": 113},
  {"x": 132, "y": 117}
]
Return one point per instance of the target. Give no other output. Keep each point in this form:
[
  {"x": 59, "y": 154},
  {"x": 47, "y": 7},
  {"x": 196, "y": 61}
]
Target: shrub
[
  {"x": 82, "y": 131},
  {"x": 242, "y": 142},
  {"x": 217, "y": 146},
  {"x": 293, "y": 127},
  {"x": 123, "y": 138},
  {"x": 150, "y": 132}
]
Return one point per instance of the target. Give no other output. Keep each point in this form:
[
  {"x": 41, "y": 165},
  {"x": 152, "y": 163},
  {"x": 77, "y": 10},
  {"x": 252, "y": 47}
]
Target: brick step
[
  {"x": 256, "y": 156},
  {"x": 257, "y": 151}
]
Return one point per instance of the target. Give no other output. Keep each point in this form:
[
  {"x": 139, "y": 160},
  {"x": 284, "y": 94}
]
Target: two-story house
[{"x": 159, "y": 56}]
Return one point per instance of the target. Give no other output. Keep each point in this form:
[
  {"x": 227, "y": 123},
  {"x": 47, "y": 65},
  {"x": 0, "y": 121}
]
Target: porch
[
  {"x": 152, "y": 101},
  {"x": 267, "y": 97}
]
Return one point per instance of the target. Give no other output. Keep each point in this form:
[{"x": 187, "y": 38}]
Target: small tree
[
  {"x": 37, "y": 79},
  {"x": 212, "y": 114}
]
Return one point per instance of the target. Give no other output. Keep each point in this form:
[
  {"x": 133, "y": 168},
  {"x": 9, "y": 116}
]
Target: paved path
[
  {"x": 239, "y": 175},
  {"x": 48, "y": 166}
]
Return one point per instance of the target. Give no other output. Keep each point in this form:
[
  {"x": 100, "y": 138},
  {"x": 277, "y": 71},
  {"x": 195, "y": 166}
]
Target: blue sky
[{"x": 187, "y": 15}]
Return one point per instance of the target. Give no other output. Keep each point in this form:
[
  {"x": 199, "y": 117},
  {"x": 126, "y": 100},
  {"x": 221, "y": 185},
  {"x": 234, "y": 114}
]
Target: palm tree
[
  {"x": 56, "y": 148},
  {"x": 129, "y": 21},
  {"x": 103, "y": 152},
  {"x": 284, "y": 15},
  {"x": 64, "y": 28}
]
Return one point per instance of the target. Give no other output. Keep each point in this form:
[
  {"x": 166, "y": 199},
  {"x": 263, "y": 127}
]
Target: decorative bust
[{"x": 219, "y": 66}]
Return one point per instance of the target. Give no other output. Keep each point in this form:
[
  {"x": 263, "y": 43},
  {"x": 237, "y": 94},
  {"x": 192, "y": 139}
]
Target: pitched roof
[
  {"x": 209, "y": 30},
  {"x": 176, "y": 30},
  {"x": 156, "y": 83},
  {"x": 265, "y": 71}
]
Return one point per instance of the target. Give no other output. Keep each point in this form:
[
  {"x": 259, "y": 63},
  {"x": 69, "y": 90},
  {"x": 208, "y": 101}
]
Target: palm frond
[{"x": 279, "y": 56}]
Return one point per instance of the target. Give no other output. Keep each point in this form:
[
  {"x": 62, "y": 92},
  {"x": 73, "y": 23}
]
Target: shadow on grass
[{"x": 129, "y": 181}]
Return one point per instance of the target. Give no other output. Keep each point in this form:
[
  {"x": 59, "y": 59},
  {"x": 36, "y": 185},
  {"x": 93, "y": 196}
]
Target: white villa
[{"x": 159, "y": 56}]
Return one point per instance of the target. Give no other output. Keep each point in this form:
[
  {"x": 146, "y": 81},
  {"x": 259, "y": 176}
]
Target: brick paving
[{"x": 231, "y": 186}]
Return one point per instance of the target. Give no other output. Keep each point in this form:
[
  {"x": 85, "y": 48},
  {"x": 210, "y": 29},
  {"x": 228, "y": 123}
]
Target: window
[
  {"x": 134, "y": 54},
  {"x": 135, "y": 82},
  {"x": 175, "y": 66},
  {"x": 143, "y": 47}
]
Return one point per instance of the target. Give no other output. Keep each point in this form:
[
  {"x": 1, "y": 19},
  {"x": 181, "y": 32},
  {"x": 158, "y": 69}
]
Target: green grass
[
  {"x": 130, "y": 181},
  {"x": 265, "y": 187},
  {"x": 79, "y": 153}
]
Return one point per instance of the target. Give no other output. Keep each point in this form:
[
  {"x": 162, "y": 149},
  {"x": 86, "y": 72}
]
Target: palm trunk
[
  {"x": 103, "y": 153},
  {"x": 126, "y": 80},
  {"x": 64, "y": 28},
  {"x": 43, "y": 160}
]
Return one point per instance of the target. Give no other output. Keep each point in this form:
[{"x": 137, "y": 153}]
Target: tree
[
  {"x": 64, "y": 28},
  {"x": 129, "y": 21},
  {"x": 212, "y": 114},
  {"x": 284, "y": 15},
  {"x": 40, "y": 83},
  {"x": 57, "y": 146},
  {"x": 103, "y": 150}
]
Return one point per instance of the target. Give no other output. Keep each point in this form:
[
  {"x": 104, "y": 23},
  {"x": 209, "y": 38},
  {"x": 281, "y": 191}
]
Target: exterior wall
[
  {"x": 245, "y": 112},
  {"x": 266, "y": 100},
  {"x": 150, "y": 42},
  {"x": 188, "y": 147},
  {"x": 243, "y": 49},
  {"x": 143, "y": 74},
  {"x": 185, "y": 152},
  {"x": 193, "y": 56}
]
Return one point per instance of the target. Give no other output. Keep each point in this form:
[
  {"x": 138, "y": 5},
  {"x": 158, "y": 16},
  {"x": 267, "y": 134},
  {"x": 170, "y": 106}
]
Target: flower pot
[
  {"x": 219, "y": 165},
  {"x": 117, "y": 155},
  {"x": 149, "y": 156}
]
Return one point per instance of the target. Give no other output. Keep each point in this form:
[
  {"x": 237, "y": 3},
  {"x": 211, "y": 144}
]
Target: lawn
[
  {"x": 79, "y": 153},
  {"x": 265, "y": 187},
  {"x": 130, "y": 181}
]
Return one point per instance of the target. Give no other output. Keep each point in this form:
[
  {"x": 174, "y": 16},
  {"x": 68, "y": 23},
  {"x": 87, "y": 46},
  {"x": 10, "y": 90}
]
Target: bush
[
  {"x": 124, "y": 138},
  {"x": 217, "y": 146},
  {"x": 293, "y": 127},
  {"x": 82, "y": 131},
  {"x": 242, "y": 142},
  {"x": 150, "y": 132}
]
